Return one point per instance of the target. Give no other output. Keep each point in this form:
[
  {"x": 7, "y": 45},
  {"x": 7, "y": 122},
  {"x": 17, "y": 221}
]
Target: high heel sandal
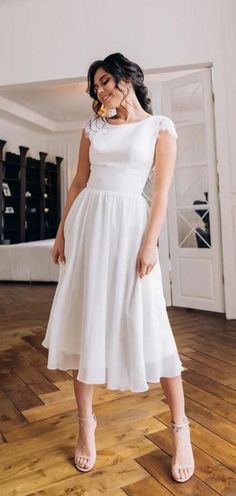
[
  {"x": 174, "y": 467},
  {"x": 87, "y": 458}
]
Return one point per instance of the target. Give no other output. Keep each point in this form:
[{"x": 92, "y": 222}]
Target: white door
[{"x": 193, "y": 215}]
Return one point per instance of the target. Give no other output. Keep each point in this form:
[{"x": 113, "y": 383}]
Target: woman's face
[{"x": 106, "y": 92}]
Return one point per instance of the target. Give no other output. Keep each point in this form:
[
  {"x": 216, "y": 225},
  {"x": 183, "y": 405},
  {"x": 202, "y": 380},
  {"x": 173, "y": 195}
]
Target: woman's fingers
[
  {"x": 138, "y": 265},
  {"x": 58, "y": 257},
  {"x": 54, "y": 256},
  {"x": 149, "y": 268},
  {"x": 145, "y": 269},
  {"x": 62, "y": 258}
]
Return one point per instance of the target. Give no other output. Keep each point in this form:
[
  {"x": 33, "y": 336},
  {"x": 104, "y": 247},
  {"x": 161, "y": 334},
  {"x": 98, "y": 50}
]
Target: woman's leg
[
  {"x": 86, "y": 442},
  {"x": 183, "y": 454}
]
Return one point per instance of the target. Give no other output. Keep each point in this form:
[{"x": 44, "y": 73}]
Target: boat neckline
[{"x": 129, "y": 123}]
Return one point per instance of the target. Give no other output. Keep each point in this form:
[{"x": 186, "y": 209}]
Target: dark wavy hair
[{"x": 119, "y": 67}]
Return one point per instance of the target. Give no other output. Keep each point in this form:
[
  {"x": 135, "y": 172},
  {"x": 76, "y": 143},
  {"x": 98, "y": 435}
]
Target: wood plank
[
  {"x": 9, "y": 414},
  {"x": 209, "y": 442},
  {"x": 208, "y": 469},
  {"x": 103, "y": 482},
  {"x": 38, "y": 449},
  {"x": 202, "y": 358},
  {"x": 209, "y": 419},
  {"x": 50, "y": 459},
  {"x": 212, "y": 373},
  {"x": 146, "y": 487},
  {"x": 13, "y": 386},
  {"x": 101, "y": 393},
  {"x": 107, "y": 436},
  {"x": 210, "y": 401},
  {"x": 35, "y": 340},
  {"x": 222, "y": 352},
  {"x": 39, "y": 361},
  {"x": 158, "y": 464},
  {"x": 45, "y": 411},
  {"x": 218, "y": 394},
  {"x": 29, "y": 374}
]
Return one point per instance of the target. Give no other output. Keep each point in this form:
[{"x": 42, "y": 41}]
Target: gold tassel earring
[{"x": 102, "y": 111}]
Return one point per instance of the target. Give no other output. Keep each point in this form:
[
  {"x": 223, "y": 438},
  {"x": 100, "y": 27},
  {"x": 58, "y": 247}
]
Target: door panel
[{"x": 193, "y": 209}]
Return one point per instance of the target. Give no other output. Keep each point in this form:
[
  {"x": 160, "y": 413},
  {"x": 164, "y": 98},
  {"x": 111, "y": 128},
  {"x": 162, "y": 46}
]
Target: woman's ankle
[
  {"x": 85, "y": 414},
  {"x": 179, "y": 419}
]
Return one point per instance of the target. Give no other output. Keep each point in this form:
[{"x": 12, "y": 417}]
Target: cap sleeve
[
  {"x": 166, "y": 124},
  {"x": 92, "y": 126},
  {"x": 87, "y": 128}
]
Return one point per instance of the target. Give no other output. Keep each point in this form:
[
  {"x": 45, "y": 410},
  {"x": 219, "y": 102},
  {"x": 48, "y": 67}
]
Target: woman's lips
[{"x": 105, "y": 98}]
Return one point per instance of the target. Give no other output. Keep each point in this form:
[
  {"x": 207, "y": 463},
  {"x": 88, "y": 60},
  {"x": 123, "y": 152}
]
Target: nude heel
[
  {"x": 85, "y": 457},
  {"x": 174, "y": 467}
]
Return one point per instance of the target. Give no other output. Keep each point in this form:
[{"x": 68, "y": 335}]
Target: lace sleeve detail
[
  {"x": 166, "y": 124},
  {"x": 87, "y": 128}
]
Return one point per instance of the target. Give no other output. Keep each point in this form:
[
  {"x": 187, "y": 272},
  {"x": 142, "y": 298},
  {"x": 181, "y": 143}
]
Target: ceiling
[{"x": 58, "y": 106}]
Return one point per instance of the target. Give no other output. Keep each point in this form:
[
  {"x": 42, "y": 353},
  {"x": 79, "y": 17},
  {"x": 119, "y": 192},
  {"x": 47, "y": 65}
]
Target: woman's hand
[
  {"x": 146, "y": 259},
  {"x": 58, "y": 248}
]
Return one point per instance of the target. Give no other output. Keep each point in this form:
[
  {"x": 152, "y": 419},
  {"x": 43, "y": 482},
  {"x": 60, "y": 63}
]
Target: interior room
[{"x": 186, "y": 52}]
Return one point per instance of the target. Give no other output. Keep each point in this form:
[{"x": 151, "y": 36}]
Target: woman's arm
[
  {"x": 164, "y": 164},
  {"x": 80, "y": 180}
]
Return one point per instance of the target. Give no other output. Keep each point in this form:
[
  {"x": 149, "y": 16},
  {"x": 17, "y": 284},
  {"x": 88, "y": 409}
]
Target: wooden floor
[{"x": 38, "y": 420}]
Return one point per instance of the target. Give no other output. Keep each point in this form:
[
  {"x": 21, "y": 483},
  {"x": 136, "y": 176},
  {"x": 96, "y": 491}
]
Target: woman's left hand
[{"x": 146, "y": 259}]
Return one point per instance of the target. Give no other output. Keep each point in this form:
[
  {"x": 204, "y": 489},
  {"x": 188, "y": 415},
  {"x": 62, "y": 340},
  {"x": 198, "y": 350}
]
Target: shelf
[
  {"x": 7, "y": 162},
  {"x": 5, "y": 179},
  {"x": 32, "y": 197},
  {"x": 11, "y": 214},
  {"x": 10, "y": 197},
  {"x": 25, "y": 174}
]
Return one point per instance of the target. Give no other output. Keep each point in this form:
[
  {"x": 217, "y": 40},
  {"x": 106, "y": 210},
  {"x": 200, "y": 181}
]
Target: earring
[{"x": 102, "y": 111}]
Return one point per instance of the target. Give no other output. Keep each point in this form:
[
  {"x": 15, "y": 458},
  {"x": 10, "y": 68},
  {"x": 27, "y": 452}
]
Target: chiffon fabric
[{"x": 105, "y": 321}]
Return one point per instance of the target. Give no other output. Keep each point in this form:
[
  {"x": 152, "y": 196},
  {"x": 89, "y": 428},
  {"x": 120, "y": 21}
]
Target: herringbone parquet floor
[{"x": 38, "y": 422}]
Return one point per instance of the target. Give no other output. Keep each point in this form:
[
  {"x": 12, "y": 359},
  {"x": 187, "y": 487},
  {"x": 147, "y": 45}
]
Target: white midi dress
[{"x": 105, "y": 321}]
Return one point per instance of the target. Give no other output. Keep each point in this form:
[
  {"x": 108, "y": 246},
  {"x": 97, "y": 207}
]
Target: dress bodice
[{"x": 122, "y": 155}]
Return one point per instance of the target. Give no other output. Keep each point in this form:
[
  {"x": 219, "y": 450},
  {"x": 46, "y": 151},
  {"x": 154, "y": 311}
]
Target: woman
[{"x": 108, "y": 321}]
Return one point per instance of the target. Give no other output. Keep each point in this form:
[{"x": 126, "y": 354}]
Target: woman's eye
[{"x": 104, "y": 82}]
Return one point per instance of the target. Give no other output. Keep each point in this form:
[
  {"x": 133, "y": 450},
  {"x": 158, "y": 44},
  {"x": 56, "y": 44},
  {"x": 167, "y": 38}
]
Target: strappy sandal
[
  {"x": 174, "y": 467},
  {"x": 84, "y": 457}
]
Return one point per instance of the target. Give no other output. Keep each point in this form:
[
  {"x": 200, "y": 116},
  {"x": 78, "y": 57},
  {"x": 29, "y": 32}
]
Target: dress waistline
[{"x": 115, "y": 192}]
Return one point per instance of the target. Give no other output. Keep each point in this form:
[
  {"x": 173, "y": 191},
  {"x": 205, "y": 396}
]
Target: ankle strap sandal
[
  {"x": 178, "y": 427},
  {"x": 89, "y": 416},
  {"x": 81, "y": 460},
  {"x": 177, "y": 470}
]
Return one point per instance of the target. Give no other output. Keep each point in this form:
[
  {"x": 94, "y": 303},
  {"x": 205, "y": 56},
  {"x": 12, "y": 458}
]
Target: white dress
[{"x": 105, "y": 320}]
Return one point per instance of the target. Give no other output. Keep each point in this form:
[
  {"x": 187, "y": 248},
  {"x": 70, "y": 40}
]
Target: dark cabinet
[{"x": 29, "y": 196}]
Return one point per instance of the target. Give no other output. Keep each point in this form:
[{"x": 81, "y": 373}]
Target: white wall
[
  {"x": 55, "y": 39},
  {"x": 16, "y": 134},
  {"x": 65, "y": 145},
  {"x": 226, "y": 129}
]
